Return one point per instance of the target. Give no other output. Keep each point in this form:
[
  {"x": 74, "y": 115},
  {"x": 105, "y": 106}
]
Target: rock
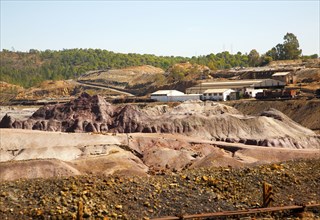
[
  {"x": 118, "y": 206},
  {"x": 6, "y": 122},
  {"x": 87, "y": 213},
  {"x": 205, "y": 178},
  {"x": 146, "y": 204}
]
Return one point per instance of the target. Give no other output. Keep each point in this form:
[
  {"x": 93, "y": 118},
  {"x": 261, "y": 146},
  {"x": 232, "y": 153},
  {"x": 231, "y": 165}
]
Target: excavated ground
[
  {"x": 190, "y": 158},
  {"x": 304, "y": 112},
  {"x": 187, "y": 192},
  {"x": 37, "y": 154},
  {"x": 207, "y": 120}
]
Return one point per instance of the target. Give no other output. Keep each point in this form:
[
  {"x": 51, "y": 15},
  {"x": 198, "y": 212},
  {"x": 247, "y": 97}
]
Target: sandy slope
[
  {"x": 35, "y": 154},
  {"x": 304, "y": 112}
]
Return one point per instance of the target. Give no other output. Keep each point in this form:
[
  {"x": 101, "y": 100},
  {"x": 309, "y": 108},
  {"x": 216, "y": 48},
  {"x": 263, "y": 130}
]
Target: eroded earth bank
[{"x": 128, "y": 162}]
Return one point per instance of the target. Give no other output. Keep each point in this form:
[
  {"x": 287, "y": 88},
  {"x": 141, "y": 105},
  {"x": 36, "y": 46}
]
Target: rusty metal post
[
  {"x": 267, "y": 194},
  {"x": 80, "y": 211}
]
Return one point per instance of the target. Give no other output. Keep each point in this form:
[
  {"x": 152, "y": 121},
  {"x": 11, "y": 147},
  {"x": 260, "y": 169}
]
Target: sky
[{"x": 166, "y": 28}]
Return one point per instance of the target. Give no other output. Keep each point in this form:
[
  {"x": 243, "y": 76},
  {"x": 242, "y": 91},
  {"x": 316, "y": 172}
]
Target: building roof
[
  {"x": 167, "y": 92},
  {"x": 268, "y": 83},
  {"x": 280, "y": 74},
  {"x": 233, "y": 82},
  {"x": 216, "y": 90}
]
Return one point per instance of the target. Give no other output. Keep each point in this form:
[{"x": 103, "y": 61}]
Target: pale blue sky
[{"x": 184, "y": 28}]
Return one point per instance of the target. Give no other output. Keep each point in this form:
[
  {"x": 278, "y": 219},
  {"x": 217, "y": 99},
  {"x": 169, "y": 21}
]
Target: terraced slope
[{"x": 129, "y": 79}]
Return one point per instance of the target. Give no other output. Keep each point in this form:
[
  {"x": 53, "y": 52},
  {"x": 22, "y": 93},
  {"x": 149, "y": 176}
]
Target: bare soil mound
[
  {"x": 304, "y": 112},
  {"x": 143, "y": 80},
  {"x": 207, "y": 120},
  {"x": 34, "y": 154},
  {"x": 6, "y": 87},
  {"x": 117, "y": 161},
  {"x": 31, "y": 169},
  {"x": 308, "y": 79},
  {"x": 49, "y": 89},
  {"x": 135, "y": 80},
  {"x": 8, "y": 91},
  {"x": 308, "y": 75},
  {"x": 309, "y": 63},
  {"x": 188, "y": 71}
]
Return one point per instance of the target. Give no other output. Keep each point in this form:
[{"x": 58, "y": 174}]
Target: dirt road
[{"x": 108, "y": 87}]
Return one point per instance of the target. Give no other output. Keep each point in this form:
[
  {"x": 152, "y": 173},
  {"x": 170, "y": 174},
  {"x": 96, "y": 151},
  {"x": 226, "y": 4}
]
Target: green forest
[{"x": 30, "y": 68}]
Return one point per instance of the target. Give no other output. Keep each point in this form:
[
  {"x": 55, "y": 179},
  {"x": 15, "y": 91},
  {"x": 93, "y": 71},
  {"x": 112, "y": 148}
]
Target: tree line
[
  {"x": 30, "y": 68},
  {"x": 288, "y": 50}
]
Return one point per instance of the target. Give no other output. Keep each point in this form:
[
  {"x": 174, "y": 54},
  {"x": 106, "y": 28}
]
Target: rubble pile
[{"x": 170, "y": 194}]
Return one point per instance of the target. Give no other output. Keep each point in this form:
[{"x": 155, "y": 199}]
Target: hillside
[
  {"x": 308, "y": 79},
  {"x": 308, "y": 63},
  {"x": 9, "y": 91},
  {"x": 28, "y": 69},
  {"x": 48, "y": 89},
  {"x": 132, "y": 73},
  {"x": 129, "y": 79},
  {"x": 304, "y": 112},
  {"x": 51, "y": 91},
  {"x": 141, "y": 80}
]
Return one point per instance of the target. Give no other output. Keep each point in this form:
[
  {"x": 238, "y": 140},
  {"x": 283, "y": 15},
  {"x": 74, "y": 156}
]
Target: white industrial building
[
  {"x": 173, "y": 96},
  {"x": 217, "y": 94},
  {"x": 238, "y": 85},
  {"x": 252, "y": 92}
]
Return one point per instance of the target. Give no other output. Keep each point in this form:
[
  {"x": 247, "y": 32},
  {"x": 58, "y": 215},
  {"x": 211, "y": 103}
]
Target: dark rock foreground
[{"x": 189, "y": 192}]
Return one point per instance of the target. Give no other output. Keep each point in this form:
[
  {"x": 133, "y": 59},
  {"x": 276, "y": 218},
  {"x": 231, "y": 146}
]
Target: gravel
[{"x": 164, "y": 194}]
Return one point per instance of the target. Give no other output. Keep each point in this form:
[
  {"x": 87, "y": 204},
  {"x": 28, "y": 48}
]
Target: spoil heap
[
  {"x": 170, "y": 194},
  {"x": 208, "y": 120}
]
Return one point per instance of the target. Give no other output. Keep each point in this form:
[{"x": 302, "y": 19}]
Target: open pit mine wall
[{"x": 94, "y": 114}]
